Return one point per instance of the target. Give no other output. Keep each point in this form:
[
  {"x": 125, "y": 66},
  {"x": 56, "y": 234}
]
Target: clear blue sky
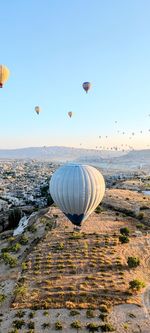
[{"x": 51, "y": 47}]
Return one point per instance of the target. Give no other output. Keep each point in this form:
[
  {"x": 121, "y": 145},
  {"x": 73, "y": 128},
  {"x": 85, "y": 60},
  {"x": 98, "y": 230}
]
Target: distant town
[
  {"x": 25, "y": 184},
  {"x": 21, "y": 183}
]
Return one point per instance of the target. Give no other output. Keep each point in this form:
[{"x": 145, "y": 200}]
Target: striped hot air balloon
[{"x": 77, "y": 189}]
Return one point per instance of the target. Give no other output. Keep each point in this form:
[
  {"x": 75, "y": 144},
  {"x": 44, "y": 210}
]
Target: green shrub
[
  {"x": 98, "y": 210},
  {"x": 133, "y": 262},
  {"x": 125, "y": 231},
  {"x": 24, "y": 240},
  {"x": 140, "y": 226},
  {"x": 31, "y": 325},
  {"x": 107, "y": 328},
  {"x": 60, "y": 246},
  {"x": 20, "y": 290},
  {"x": 11, "y": 239},
  {"x": 20, "y": 314},
  {"x": 10, "y": 260},
  {"x": 125, "y": 326},
  {"x": 2, "y": 298},
  {"x": 136, "y": 285},
  {"x": 45, "y": 325},
  {"x": 31, "y": 315},
  {"x": 24, "y": 266},
  {"x": 5, "y": 249},
  {"x": 32, "y": 228},
  {"x": 92, "y": 327},
  {"x": 103, "y": 316},
  {"x": 74, "y": 312},
  {"x": 58, "y": 326},
  {"x": 18, "y": 323},
  {"x": 76, "y": 235},
  {"x": 45, "y": 313},
  {"x": 124, "y": 239},
  {"x": 15, "y": 248},
  {"x": 90, "y": 313},
  {"x": 140, "y": 216},
  {"x": 76, "y": 324}
]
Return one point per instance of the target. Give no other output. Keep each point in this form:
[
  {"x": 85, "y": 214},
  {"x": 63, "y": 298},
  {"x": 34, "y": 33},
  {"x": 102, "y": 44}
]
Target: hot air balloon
[
  {"x": 4, "y": 75},
  {"x": 77, "y": 189},
  {"x": 37, "y": 109},
  {"x": 86, "y": 86},
  {"x": 70, "y": 114}
]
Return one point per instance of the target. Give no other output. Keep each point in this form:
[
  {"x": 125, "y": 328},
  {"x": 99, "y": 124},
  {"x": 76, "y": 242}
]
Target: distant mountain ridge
[
  {"x": 134, "y": 157},
  {"x": 54, "y": 153},
  {"x": 64, "y": 154}
]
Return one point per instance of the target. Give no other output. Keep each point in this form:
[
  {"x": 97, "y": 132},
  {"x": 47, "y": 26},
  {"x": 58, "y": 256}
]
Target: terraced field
[{"x": 78, "y": 270}]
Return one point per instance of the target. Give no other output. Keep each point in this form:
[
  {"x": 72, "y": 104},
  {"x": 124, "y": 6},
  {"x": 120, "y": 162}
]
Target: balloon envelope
[
  {"x": 86, "y": 86},
  {"x": 77, "y": 189},
  {"x": 4, "y": 75},
  {"x": 70, "y": 114},
  {"x": 37, "y": 109}
]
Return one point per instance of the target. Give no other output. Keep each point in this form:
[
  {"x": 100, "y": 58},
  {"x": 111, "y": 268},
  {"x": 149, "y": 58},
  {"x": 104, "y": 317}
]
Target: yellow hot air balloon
[
  {"x": 37, "y": 109},
  {"x": 86, "y": 86},
  {"x": 4, "y": 75},
  {"x": 70, "y": 114}
]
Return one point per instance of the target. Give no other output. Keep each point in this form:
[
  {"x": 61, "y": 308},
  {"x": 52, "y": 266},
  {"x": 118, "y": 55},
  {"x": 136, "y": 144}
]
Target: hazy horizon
[{"x": 52, "y": 49}]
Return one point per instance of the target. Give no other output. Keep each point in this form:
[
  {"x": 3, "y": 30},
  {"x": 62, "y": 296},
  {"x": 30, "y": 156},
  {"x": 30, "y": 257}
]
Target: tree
[
  {"x": 125, "y": 231},
  {"x": 123, "y": 239},
  {"x": 133, "y": 262},
  {"x": 136, "y": 285}
]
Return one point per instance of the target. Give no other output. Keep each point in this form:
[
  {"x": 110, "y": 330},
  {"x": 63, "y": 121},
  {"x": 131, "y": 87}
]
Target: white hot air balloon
[{"x": 77, "y": 189}]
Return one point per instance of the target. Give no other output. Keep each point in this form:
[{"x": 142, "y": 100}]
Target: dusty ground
[{"x": 63, "y": 272}]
